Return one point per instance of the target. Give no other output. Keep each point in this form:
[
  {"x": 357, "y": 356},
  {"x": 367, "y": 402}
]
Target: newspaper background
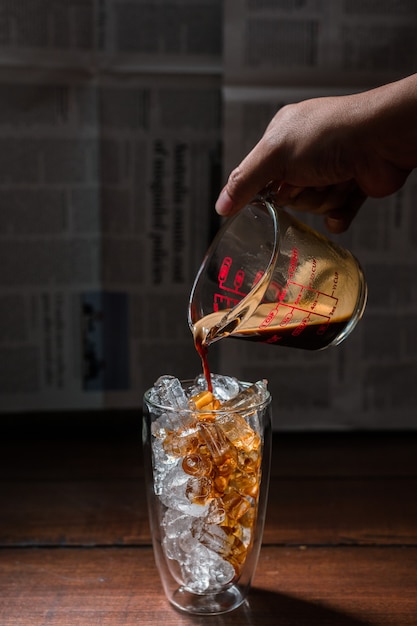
[
  {"x": 113, "y": 115},
  {"x": 110, "y": 134}
]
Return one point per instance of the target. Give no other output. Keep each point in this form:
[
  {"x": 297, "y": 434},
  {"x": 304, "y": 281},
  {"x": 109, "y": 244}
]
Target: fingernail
[{"x": 224, "y": 203}]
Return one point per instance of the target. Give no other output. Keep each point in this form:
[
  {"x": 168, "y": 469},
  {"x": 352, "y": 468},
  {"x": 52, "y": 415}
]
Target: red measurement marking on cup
[
  {"x": 315, "y": 298},
  {"x": 220, "y": 301},
  {"x": 274, "y": 290},
  {"x": 224, "y": 270},
  {"x": 235, "y": 281},
  {"x": 335, "y": 281},
  {"x": 314, "y": 302}
]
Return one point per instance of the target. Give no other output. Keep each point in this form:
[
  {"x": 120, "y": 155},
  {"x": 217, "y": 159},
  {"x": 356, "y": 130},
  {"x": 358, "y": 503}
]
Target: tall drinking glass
[{"x": 207, "y": 474}]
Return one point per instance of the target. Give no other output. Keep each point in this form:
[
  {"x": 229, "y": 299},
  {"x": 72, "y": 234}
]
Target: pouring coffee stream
[{"x": 217, "y": 326}]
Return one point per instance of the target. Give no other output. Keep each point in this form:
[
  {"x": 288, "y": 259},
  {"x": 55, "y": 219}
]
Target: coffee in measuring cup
[{"x": 269, "y": 277}]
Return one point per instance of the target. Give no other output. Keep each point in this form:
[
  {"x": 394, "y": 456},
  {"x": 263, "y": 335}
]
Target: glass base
[{"x": 207, "y": 604}]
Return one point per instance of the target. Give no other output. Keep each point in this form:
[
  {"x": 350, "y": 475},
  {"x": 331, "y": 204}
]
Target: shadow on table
[{"x": 267, "y": 608}]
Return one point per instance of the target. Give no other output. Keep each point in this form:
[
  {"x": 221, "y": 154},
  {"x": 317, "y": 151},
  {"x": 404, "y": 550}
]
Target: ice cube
[
  {"x": 162, "y": 465},
  {"x": 199, "y": 385},
  {"x": 238, "y": 431},
  {"x": 217, "y": 444},
  {"x": 235, "y": 504},
  {"x": 161, "y": 426},
  {"x": 174, "y": 523},
  {"x": 173, "y": 493},
  {"x": 176, "y": 540},
  {"x": 216, "y": 512},
  {"x": 224, "y": 387},
  {"x": 182, "y": 442},
  {"x": 172, "y": 550},
  {"x": 197, "y": 464},
  {"x": 199, "y": 489},
  {"x": 177, "y": 547},
  {"x": 204, "y": 571},
  {"x": 172, "y": 488},
  {"x": 223, "y": 573},
  {"x": 246, "y": 402},
  {"x": 187, "y": 542},
  {"x": 195, "y": 570},
  {"x": 249, "y": 462},
  {"x": 222, "y": 452},
  {"x": 168, "y": 393},
  {"x": 190, "y": 562},
  {"x": 211, "y": 536},
  {"x": 247, "y": 484},
  {"x": 246, "y": 536},
  {"x": 248, "y": 397}
]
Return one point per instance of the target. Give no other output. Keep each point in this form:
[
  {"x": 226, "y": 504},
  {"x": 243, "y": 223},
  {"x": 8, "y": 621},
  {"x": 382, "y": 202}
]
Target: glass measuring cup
[{"x": 269, "y": 277}]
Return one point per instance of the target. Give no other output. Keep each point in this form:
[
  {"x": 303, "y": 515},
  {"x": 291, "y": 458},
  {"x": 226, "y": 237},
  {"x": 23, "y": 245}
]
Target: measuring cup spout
[{"x": 225, "y": 327}]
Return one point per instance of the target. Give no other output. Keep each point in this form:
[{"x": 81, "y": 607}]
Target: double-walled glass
[{"x": 207, "y": 484}]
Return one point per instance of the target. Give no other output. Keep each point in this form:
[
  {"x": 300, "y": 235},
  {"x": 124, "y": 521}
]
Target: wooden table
[{"x": 340, "y": 543}]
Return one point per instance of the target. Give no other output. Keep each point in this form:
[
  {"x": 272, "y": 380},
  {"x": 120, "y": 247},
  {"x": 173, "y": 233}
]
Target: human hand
[{"x": 326, "y": 155}]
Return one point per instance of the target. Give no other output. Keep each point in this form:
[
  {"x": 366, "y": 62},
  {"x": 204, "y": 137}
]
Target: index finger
[{"x": 253, "y": 174}]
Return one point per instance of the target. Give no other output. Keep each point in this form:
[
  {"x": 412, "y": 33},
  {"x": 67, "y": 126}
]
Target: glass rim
[{"x": 255, "y": 406}]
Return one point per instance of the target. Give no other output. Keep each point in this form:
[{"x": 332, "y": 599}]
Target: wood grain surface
[{"x": 340, "y": 542}]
